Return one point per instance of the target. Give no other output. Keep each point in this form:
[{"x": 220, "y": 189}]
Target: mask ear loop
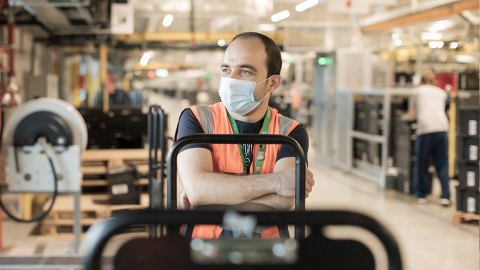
[{"x": 268, "y": 91}]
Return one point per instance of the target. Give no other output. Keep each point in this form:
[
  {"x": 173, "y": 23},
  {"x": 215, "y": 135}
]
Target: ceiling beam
[
  {"x": 423, "y": 16},
  {"x": 184, "y": 37}
]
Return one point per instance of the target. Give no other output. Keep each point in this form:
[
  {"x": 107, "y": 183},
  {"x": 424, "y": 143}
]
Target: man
[
  {"x": 238, "y": 174},
  {"x": 428, "y": 105}
]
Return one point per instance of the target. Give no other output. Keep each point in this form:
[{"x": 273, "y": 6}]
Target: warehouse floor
[{"x": 425, "y": 233}]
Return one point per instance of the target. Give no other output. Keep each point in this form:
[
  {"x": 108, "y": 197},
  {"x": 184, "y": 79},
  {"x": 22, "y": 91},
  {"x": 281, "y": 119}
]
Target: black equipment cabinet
[
  {"x": 467, "y": 159},
  {"x": 119, "y": 128}
]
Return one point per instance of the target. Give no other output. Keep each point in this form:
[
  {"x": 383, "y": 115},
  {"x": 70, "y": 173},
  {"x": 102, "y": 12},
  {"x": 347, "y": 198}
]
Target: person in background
[
  {"x": 427, "y": 106},
  {"x": 232, "y": 174}
]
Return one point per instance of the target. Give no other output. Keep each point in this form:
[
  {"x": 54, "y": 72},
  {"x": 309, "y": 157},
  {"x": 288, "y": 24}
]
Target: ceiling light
[
  {"x": 430, "y": 36},
  {"x": 286, "y": 57},
  {"x": 266, "y": 27},
  {"x": 441, "y": 25},
  {"x": 145, "y": 58},
  {"x": 167, "y": 20},
  {"x": 306, "y": 5},
  {"x": 453, "y": 45},
  {"x": 161, "y": 72},
  {"x": 464, "y": 58},
  {"x": 221, "y": 42},
  {"x": 282, "y": 15},
  {"x": 433, "y": 44}
]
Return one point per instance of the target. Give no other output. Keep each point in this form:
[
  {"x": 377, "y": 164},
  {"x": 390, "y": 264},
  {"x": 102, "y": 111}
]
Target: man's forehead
[{"x": 245, "y": 51}]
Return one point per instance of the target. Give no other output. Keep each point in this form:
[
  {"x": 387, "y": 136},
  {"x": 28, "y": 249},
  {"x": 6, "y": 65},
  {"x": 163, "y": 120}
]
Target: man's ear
[{"x": 275, "y": 82}]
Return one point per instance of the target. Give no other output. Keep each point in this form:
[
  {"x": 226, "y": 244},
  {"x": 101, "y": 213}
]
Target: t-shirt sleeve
[
  {"x": 299, "y": 133},
  {"x": 189, "y": 125}
]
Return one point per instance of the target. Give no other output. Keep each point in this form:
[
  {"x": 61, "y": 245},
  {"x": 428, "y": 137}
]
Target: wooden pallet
[
  {"x": 460, "y": 217},
  {"x": 62, "y": 214},
  {"x": 61, "y": 218},
  {"x": 96, "y": 164}
]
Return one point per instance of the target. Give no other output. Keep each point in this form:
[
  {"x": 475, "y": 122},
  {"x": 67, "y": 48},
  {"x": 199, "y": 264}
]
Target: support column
[{"x": 103, "y": 51}]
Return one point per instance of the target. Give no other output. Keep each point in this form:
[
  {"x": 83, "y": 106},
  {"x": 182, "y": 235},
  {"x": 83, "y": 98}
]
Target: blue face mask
[{"x": 237, "y": 95}]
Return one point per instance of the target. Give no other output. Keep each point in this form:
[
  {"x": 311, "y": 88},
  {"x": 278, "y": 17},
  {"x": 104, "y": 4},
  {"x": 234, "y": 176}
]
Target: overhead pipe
[
  {"x": 59, "y": 4},
  {"x": 423, "y": 12}
]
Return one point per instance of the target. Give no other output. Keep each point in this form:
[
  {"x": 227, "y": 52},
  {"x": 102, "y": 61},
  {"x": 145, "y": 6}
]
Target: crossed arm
[{"x": 204, "y": 187}]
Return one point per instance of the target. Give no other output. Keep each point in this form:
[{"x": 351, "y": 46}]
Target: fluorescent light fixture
[
  {"x": 464, "y": 58},
  {"x": 161, "y": 72},
  {"x": 221, "y": 42},
  {"x": 453, "y": 45},
  {"x": 434, "y": 44},
  {"x": 267, "y": 27},
  {"x": 145, "y": 58},
  {"x": 306, "y": 5},
  {"x": 167, "y": 20},
  {"x": 282, "y": 15},
  {"x": 286, "y": 57},
  {"x": 441, "y": 25},
  {"x": 430, "y": 36}
]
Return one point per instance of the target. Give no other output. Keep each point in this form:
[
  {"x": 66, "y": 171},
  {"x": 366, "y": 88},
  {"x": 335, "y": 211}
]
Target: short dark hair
[{"x": 274, "y": 57}]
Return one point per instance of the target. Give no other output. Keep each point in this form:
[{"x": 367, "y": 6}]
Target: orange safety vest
[{"x": 227, "y": 158}]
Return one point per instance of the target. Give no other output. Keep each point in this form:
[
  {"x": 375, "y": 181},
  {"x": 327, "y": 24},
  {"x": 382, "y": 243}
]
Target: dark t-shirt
[{"x": 189, "y": 125}]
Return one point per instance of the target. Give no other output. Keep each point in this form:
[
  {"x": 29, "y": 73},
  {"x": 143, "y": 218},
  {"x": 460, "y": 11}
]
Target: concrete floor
[{"x": 427, "y": 238}]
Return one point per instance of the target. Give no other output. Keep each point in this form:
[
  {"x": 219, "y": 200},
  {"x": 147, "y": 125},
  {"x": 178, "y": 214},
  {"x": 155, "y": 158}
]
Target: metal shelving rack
[{"x": 372, "y": 172}]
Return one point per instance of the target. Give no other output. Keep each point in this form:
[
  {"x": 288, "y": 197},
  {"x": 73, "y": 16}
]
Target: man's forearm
[
  {"x": 219, "y": 188},
  {"x": 205, "y": 187},
  {"x": 275, "y": 201}
]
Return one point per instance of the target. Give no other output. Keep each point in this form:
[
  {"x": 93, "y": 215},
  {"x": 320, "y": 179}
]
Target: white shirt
[{"x": 429, "y": 103}]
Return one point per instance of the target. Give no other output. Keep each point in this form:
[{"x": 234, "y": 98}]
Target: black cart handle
[
  {"x": 99, "y": 234},
  {"x": 237, "y": 139}
]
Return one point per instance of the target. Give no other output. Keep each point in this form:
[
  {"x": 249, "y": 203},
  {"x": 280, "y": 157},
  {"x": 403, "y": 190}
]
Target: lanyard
[{"x": 261, "y": 148}]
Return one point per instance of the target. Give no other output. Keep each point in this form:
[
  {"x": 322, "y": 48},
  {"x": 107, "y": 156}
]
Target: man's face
[{"x": 245, "y": 59}]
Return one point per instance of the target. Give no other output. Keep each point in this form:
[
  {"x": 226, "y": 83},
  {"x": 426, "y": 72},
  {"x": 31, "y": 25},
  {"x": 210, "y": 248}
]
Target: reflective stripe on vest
[{"x": 226, "y": 157}]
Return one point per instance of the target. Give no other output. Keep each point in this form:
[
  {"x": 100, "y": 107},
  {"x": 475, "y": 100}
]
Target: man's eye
[
  {"x": 225, "y": 70},
  {"x": 247, "y": 72}
]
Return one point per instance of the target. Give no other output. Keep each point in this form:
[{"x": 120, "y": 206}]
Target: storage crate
[
  {"x": 468, "y": 175},
  {"x": 96, "y": 165},
  {"x": 468, "y": 200},
  {"x": 468, "y": 80},
  {"x": 122, "y": 186},
  {"x": 468, "y": 121},
  {"x": 467, "y": 148}
]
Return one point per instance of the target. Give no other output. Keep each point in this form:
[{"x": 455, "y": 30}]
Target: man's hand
[
  {"x": 286, "y": 183},
  {"x": 184, "y": 201}
]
